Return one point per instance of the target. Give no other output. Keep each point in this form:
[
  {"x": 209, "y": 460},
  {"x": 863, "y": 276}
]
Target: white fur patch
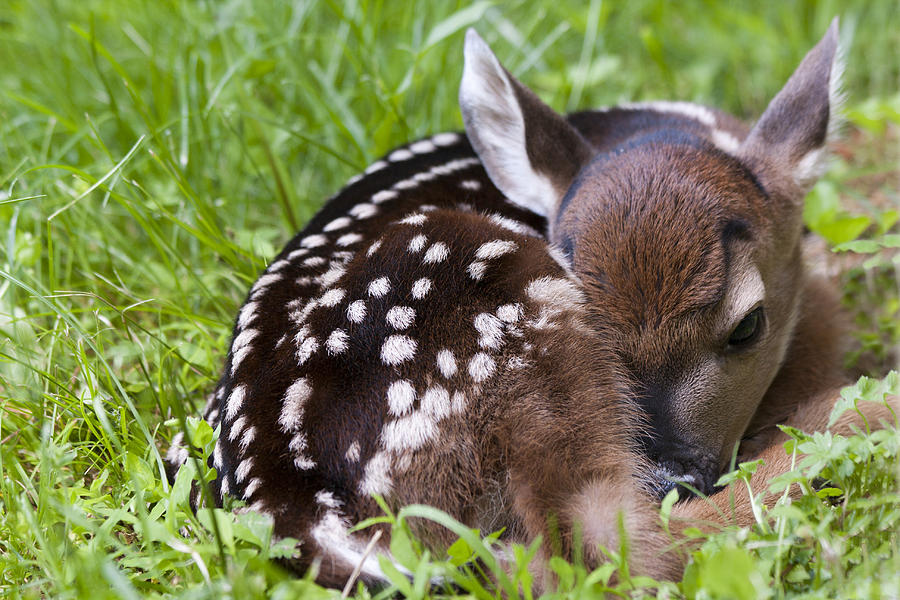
[
  {"x": 327, "y": 499},
  {"x": 356, "y": 311},
  {"x": 314, "y": 241},
  {"x": 446, "y": 363},
  {"x": 352, "y": 453},
  {"x": 408, "y": 433},
  {"x": 400, "y": 317},
  {"x": 423, "y": 147},
  {"x": 384, "y": 196},
  {"x": 348, "y": 239},
  {"x": 247, "y": 438},
  {"x": 510, "y": 313},
  {"x": 417, "y": 243},
  {"x": 330, "y": 277},
  {"x": 458, "y": 403},
  {"x": 247, "y": 314},
  {"x": 314, "y": 261},
  {"x": 379, "y": 287},
  {"x": 476, "y": 270},
  {"x": 376, "y": 166},
  {"x": 553, "y": 290},
  {"x": 238, "y": 357},
  {"x": 338, "y": 223},
  {"x": 438, "y": 252},
  {"x": 264, "y": 282},
  {"x": 294, "y": 405},
  {"x": 481, "y": 367},
  {"x": 243, "y": 469},
  {"x": 295, "y": 254},
  {"x": 685, "y": 109},
  {"x": 470, "y": 184},
  {"x": 421, "y": 287},
  {"x": 252, "y": 488},
  {"x": 307, "y": 348},
  {"x": 400, "y": 155},
  {"x": 495, "y": 249},
  {"x": 373, "y": 248},
  {"x": 332, "y": 297},
  {"x": 400, "y": 396},
  {"x": 235, "y": 400},
  {"x": 414, "y": 219},
  {"x": 397, "y": 349},
  {"x": 513, "y": 225},
  {"x": 491, "y": 330},
  {"x": 445, "y": 139},
  {"x": 376, "y": 478},
  {"x": 724, "y": 141},
  {"x": 364, "y": 210},
  {"x": 436, "y": 402},
  {"x": 336, "y": 342}
]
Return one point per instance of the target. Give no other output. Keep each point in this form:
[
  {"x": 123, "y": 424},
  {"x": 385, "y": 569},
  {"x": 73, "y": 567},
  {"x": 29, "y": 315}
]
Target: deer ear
[
  {"x": 792, "y": 135},
  {"x": 530, "y": 152}
]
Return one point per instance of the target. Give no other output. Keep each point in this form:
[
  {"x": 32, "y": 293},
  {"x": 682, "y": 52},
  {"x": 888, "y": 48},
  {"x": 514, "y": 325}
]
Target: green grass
[{"x": 155, "y": 154}]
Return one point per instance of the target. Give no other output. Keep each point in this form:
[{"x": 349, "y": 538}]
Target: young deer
[{"x": 546, "y": 320}]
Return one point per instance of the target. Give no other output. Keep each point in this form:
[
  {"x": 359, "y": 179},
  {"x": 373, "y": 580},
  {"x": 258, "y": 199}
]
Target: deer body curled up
[{"x": 545, "y": 320}]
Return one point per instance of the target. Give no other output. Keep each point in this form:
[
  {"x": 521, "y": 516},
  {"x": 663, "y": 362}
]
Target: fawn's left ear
[
  {"x": 529, "y": 151},
  {"x": 790, "y": 139}
]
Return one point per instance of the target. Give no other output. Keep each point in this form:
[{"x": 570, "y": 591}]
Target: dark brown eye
[{"x": 748, "y": 329}]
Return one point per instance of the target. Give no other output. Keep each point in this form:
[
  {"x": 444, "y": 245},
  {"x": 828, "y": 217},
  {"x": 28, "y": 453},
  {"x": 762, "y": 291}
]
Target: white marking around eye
[
  {"x": 379, "y": 287},
  {"x": 438, "y": 252},
  {"x": 397, "y": 349},
  {"x": 421, "y": 287},
  {"x": 400, "y": 396}
]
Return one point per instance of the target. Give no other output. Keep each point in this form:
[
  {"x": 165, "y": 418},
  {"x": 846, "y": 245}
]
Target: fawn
[{"x": 547, "y": 319}]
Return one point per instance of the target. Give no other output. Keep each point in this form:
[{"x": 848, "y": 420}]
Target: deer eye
[{"x": 748, "y": 329}]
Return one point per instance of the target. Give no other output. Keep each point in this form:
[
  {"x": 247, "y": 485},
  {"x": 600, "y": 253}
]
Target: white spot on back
[
  {"x": 481, "y": 367},
  {"x": 349, "y": 239},
  {"x": 379, "y": 287},
  {"x": 278, "y": 265},
  {"x": 414, "y": 219},
  {"x": 332, "y": 297},
  {"x": 417, "y": 243},
  {"x": 409, "y": 432},
  {"x": 376, "y": 166},
  {"x": 294, "y": 405},
  {"x": 495, "y": 249},
  {"x": 331, "y": 276},
  {"x": 247, "y": 314},
  {"x": 373, "y": 248},
  {"x": 458, "y": 403},
  {"x": 438, "y": 252},
  {"x": 295, "y": 254},
  {"x": 384, "y": 196},
  {"x": 314, "y": 241},
  {"x": 445, "y": 139},
  {"x": 397, "y": 349},
  {"x": 336, "y": 342},
  {"x": 400, "y": 155},
  {"x": 356, "y": 311},
  {"x": 553, "y": 290},
  {"x": 513, "y": 225},
  {"x": 338, "y": 223},
  {"x": 470, "y": 184},
  {"x": 364, "y": 210},
  {"x": 400, "y": 317},
  {"x": 252, "y": 487},
  {"x": 376, "y": 478},
  {"x": 421, "y": 287},
  {"x": 509, "y": 313},
  {"x": 238, "y": 357},
  {"x": 307, "y": 349},
  {"x": 265, "y": 281},
  {"x": 327, "y": 499},
  {"x": 314, "y": 261},
  {"x": 423, "y": 147},
  {"x": 247, "y": 438},
  {"x": 446, "y": 363},
  {"x": 406, "y": 184},
  {"x": 685, "y": 109},
  {"x": 491, "y": 330},
  {"x": 243, "y": 469},
  {"x": 352, "y": 454},
  {"x": 400, "y": 396},
  {"x": 237, "y": 428},
  {"x": 476, "y": 270},
  {"x": 235, "y": 399},
  {"x": 436, "y": 402}
]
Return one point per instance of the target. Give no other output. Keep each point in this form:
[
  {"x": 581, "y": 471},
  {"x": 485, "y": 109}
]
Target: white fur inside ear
[
  {"x": 811, "y": 167},
  {"x": 496, "y": 128}
]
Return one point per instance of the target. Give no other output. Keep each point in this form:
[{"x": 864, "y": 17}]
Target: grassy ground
[{"x": 154, "y": 154}]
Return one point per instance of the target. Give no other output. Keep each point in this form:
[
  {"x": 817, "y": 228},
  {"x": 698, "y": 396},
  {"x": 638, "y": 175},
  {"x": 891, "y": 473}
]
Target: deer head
[{"x": 688, "y": 251}]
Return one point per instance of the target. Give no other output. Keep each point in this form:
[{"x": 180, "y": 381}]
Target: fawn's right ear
[
  {"x": 788, "y": 143},
  {"x": 529, "y": 151}
]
